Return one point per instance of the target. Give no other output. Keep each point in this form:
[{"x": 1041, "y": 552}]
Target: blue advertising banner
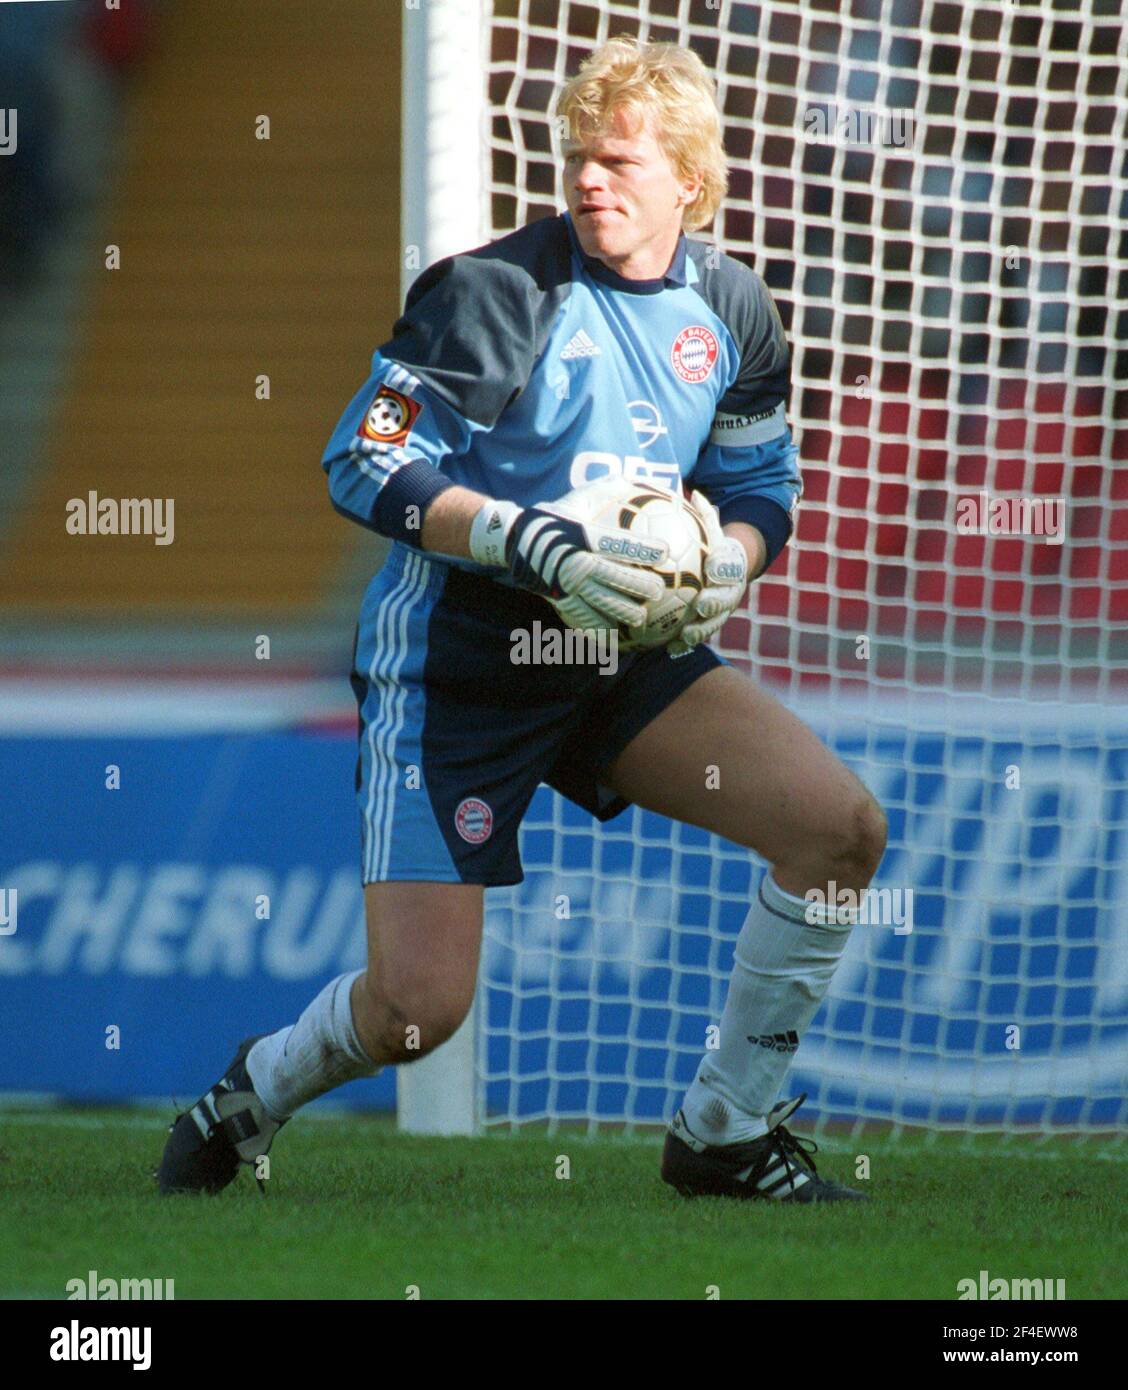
[
  {"x": 176, "y": 893},
  {"x": 987, "y": 984},
  {"x": 203, "y": 895}
]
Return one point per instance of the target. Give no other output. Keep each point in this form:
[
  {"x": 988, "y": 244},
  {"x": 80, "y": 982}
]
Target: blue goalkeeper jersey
[{"x": 526, "y": 368}]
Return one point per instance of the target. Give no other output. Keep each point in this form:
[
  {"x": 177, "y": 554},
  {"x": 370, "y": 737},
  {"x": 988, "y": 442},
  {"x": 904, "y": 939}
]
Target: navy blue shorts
[{"x": 455, "y": 738}]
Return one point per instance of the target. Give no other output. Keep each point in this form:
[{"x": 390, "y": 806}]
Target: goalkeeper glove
[
  {"x": 726, "y": 578},
  {"x": 557, "y": 557}
]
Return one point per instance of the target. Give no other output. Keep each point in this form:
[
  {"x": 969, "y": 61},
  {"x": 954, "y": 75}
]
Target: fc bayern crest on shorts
[
  {"x": 390, "y": 417},
  {"x": 694, "y": 353},
  {"x": 474, "y": 821}
]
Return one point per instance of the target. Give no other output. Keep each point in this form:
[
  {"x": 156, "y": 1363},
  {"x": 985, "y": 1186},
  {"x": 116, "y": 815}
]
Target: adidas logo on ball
[
  {"x": 633, "y": 550},
  {"x": 657, "y": 528}
]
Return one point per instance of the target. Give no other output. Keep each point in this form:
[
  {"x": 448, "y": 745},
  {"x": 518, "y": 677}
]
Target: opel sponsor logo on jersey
[
  {"x": 647, "y": 422},
  {"x": 592, "y": 464},
  {"x": 631, "y": 549},
  {"x": 390, "y": 417},
  {"x": 694, "y": 353},
  {"x": 474, "y": 820}
]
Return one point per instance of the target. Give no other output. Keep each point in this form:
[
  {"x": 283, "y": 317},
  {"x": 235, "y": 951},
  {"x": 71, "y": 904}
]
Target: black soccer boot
[
  {"x": 227, "y": 1126},
  {"x": 776, "y": 1167}
]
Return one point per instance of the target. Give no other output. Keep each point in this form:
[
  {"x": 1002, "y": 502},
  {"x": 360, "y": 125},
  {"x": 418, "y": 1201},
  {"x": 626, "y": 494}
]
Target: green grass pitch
[{"x": 355, "y": 1210}]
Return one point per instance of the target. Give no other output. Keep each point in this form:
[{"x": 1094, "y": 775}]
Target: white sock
[
  {"x": 781, "y": 971},
  {"x": 312, "y": 1056}
]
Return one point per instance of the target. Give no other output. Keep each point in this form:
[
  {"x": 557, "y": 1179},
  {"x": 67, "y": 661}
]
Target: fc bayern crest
[
  {"x": 390, "y": 417},
  {"x": 473, "y": 820},
  {"x": 694, "y": 352}
]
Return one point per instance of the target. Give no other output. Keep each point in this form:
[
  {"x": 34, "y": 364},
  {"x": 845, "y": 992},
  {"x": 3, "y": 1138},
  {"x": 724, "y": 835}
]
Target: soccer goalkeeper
[{"x": 599, "y": 341}]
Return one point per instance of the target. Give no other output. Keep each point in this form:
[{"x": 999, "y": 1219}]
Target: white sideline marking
[
  {"x": 152, "y": 1122},
  {"x": 1099, "y": 1154},
  {"x": 170, "y": 708},
  {"x": 79, "y": 1121}
]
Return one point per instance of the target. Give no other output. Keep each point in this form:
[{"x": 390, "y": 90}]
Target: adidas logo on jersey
[
  {"x": 777, "y": 1042},
  {"x": 580, "y": 345}
]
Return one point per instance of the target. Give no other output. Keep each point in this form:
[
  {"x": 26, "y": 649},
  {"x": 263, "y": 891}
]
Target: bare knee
[
  {"x": 845, "y": 849},
  {"x": 403, "y": 1021},
  {"x": 423, "y": 946},
  {"x": 858, "y": 842}
]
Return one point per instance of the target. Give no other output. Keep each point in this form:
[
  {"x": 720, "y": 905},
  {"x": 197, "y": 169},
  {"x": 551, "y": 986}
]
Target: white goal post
[
  {"x": 442, "y": 211},
  {"x": 937, "y": 196}
]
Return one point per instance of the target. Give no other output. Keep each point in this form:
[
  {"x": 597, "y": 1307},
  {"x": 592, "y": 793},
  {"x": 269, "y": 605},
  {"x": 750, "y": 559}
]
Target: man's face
[{"x": 625, "y": 197}]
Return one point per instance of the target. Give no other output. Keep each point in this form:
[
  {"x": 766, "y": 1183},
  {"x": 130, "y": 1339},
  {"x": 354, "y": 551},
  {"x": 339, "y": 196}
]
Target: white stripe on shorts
[{"x": 384, "y": 728}]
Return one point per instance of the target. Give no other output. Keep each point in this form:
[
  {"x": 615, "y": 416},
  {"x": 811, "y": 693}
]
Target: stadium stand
[{"x": 231, "y": 270}]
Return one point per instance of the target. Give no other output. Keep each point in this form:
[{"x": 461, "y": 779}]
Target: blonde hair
[{"x": 669, "y": 81}]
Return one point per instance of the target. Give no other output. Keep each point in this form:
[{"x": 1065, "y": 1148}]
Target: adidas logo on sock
[
  {"x": 580, "y": 345},
  {"x": 777, "y": 1042}
]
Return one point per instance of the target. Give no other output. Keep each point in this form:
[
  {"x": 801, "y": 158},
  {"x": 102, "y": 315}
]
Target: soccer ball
[{"x": 648, "y": 513}]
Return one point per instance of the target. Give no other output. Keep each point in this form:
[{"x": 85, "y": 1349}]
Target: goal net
[{"x": 936, "y": 196}]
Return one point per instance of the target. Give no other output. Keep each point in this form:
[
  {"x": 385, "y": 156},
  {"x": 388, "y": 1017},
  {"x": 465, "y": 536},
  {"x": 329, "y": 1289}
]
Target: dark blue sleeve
[
  {"x": 461, "y": 351},
  {"x": 749, "y": 466}
]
